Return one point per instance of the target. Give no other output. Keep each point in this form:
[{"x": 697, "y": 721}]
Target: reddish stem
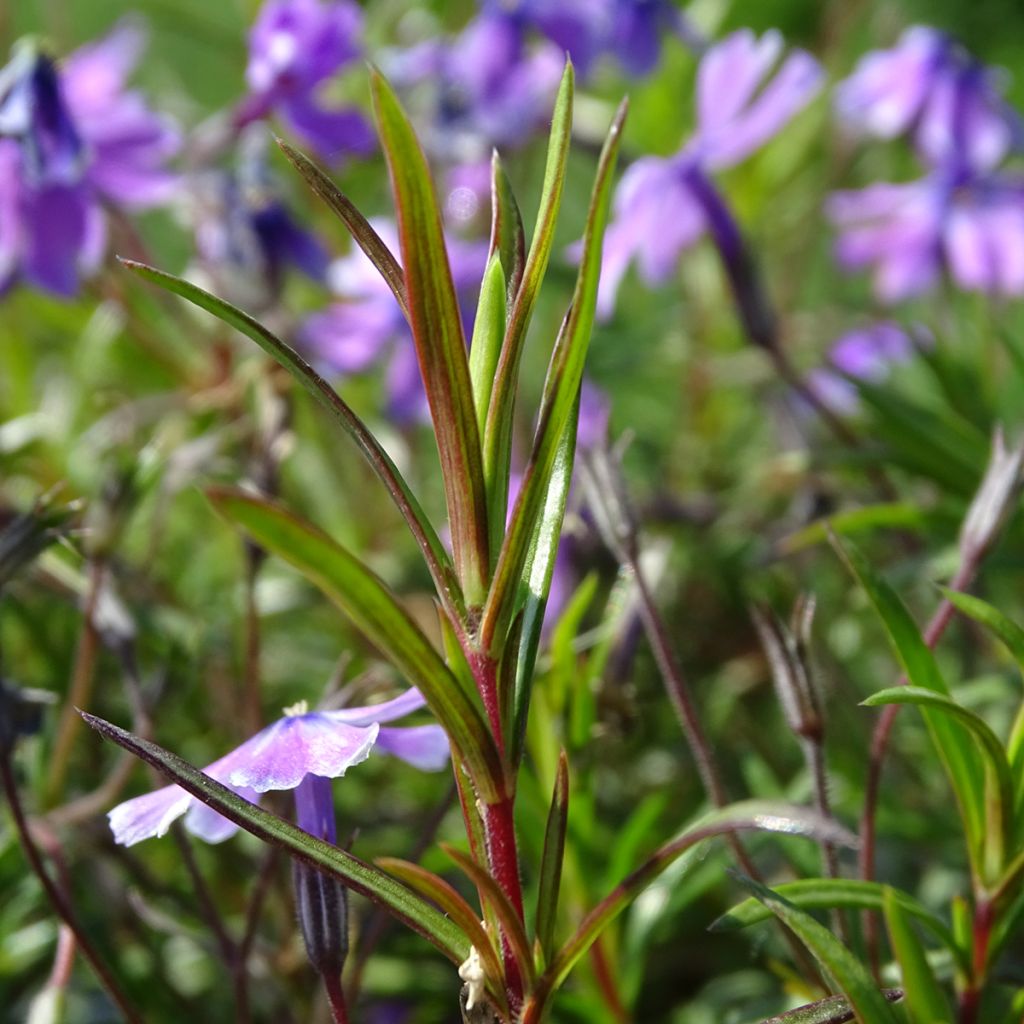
[
  {"x": 503, "y": 859},
  {"x": 485, "y": 673},
  {"x": 336, "y": 998},
  {"x": 970, "y": 999}
]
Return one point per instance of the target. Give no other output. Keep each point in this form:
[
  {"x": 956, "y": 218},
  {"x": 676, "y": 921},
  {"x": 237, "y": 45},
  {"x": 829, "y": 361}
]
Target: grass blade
[
  {"x": 551, "y": 861},
  {"x": 923, "y": 995},
  {"x": 370, "y": 605},
  {"x": 434, "y": 554},
  {"x": 363, "y": 878},
  {"x": 833, "y": 1010},
  {"x": 507, "y": 239},
  {"x": 488, "y": 330},
  {"x": 436, "y": 323}
]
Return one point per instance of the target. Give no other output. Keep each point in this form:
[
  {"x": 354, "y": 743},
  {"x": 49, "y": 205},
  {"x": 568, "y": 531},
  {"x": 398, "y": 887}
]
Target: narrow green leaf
[
  {"x": 835, "y": 894},
  {"x": 488, "y": 330},
  {"x": 379, "y": 461},
  {"x": 507, "y": 238},
  {"x": 753, "y": 814},
  {"x": 504, "y": 912},
  {"x": 925, "y": 999},
  {"x": 561, "y": 393},
  {"x": 437, "y": 331},
  {"x": 361, "y": 230},
  {"x": 359, "y": 876},
  {"x": 370, "y": 605},
  {"x": 994, "y": 620},
  {"x": 848, "y": 974},
  {"x": 956, "y": 753},
  {"x": 435, "y": 888},
  {"x": 833, "y": 1010},
  {"x": 887, "y": 515},
  {"x": 551, "y": 861},
  {"x": 497, "y": 442}
]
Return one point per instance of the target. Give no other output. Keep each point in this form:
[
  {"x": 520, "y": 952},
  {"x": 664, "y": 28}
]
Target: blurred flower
[
  {"x": 910, "y": 233},
  {"x": 929, "y": 87},
  {"x": 746, "y": 93},
  {"x": 864, "y": 354},
  {"x": 246, "y": 237},
  {"x": 71, "y": 139},
  {"x": 295, "y": 47},
  {"x": 368, "y": 327},
  {"x": 299, "y": 751}
]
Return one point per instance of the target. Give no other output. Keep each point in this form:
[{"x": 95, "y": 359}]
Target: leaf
[
  {"x": 849, "y": 975},
  {"x": 957, "y": 756},
  {"x": 551, "y": 861},
  {"x": 561, "y": 393},
  {"x": 436, "y": 324},
  {"x": 835, "y": 894},
  {"x": 888, "y": 515},
  {"x": 497, "y": 443},
  {"x": 451, "y": 902},
  {"x": 924, "y": 998},
  {"x": 361, "y": 230},
  {"x": 511, "y": 926},
  {"x": 833, "y": 1010},
  {"x": 488, "y": 330},
  {"x": 507, "y": 240},
  {"x": 379, "y": 461},
  {"x": 1004, "y": 628},
  {"x": 370, "y": 605},
  {"x": 359, "y": 876},
  {"x": 752, "y": 814}
]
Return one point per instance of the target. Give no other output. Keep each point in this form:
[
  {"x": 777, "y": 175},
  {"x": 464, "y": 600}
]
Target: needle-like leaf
[{"x": 551, "y": 861}]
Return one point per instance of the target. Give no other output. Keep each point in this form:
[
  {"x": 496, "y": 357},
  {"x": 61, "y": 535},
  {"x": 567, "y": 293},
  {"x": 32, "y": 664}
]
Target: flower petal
[
  {"x": 149, "y": 815},
  {"x": 423, "y": 746}
]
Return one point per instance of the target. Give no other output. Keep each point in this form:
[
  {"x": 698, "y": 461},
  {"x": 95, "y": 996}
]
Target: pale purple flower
[
  {"x": 866, "y": 354},
  {"x": 747, "y": 91},
  {"x": 297, "y": 752},
  {"x": 367, "y": 327},
  {"x": 909, "y": 234},
  {"x": 929, "y": 88},
  {"x": 295, "y": 47},
  {"x": 73, "y": 138}
]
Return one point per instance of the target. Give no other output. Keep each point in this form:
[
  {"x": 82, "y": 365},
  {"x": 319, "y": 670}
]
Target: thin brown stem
[{"x": 60, "y": 905}]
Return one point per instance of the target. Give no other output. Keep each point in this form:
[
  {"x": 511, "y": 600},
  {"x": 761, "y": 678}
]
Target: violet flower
[
  {"x": 866, "y": 354},
  {"x": 300, "y": 752},
  {"x": 72, "y": 139},
  {"x": 746, "y": 93},
  {"x": 964, "y": 217},
  {"x": 367, "y": 327},
  {"x": 295, "y": 47}
]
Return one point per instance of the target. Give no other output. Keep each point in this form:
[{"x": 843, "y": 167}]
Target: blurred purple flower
[
  {"x": 295, "y": 47},
  {"x": 300, "y": 751},
  {"x": 71, "y": 139},
  {"x": 746, "y": 93},
  {"x": 930, "y": 88},
  {"x": 246, "y": 237},
  {"x": 864, "y": 354},
  {"x": 367, "y": 327}
]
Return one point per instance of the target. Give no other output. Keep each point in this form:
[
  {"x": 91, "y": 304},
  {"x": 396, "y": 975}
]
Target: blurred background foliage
[{"x": 131, "y": 402}]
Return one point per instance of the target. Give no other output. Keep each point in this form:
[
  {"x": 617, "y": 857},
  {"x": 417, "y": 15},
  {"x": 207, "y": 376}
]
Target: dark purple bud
[
  {"x": 33, "y": 111},
  {"x": 320, "y": 899},
  {"x": 752, "y": 303}
]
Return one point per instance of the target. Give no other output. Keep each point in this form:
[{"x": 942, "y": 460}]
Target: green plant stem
[{"x": 60, "y": 905}]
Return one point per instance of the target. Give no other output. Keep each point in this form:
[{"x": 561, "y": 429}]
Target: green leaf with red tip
[
  {"x": 361, "y": 230},
  {"x": 497, "y": 443},
  {"x": 380, "y": 462},
  {"x": 561, "y": 393},
  {"x": 436, "y": 323},
  {"x": 363, "y": 878},
  {"x": 367, "y": 601}
]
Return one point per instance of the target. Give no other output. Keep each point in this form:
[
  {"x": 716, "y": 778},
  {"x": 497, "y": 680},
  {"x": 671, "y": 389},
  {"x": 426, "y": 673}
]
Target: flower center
[{"x": 296, "y": 710}]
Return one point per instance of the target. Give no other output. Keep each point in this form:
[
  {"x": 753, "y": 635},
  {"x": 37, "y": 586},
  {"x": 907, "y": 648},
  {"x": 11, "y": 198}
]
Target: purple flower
[
  {"x": 930, "y": 88},
  {"x": 746, "y": 93},
  {"x": 910, "y": 233},
  {"x": 295, "y": 46},
  {"x": 71, "y": 139},
  {"x": 246, "y": 236},
  {"x": 864, "y": 354},
  {"x": 367, "y": 327},
  {"x": 299, "y": 751}
]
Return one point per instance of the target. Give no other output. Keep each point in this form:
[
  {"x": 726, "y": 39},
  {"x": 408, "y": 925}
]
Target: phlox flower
[
  {"x": 747, "y": 91},
  {"x": 73, "y": 138},
  {"x": 301, "y": 751},
  {"x": 295, "y": 47}
]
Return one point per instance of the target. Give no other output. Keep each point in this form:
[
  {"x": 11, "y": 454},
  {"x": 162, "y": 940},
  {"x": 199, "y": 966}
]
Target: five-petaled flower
[{"x": 301, "y": 751}]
